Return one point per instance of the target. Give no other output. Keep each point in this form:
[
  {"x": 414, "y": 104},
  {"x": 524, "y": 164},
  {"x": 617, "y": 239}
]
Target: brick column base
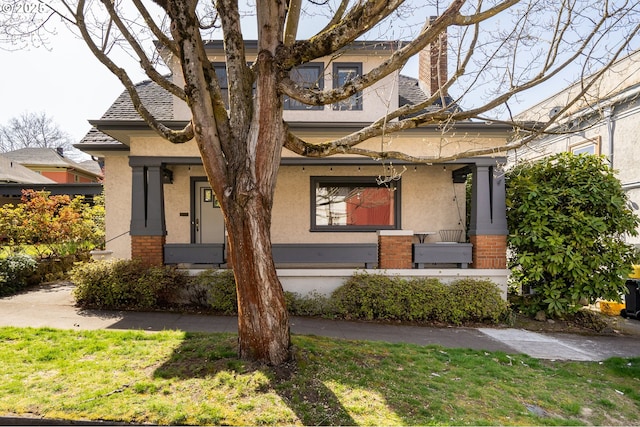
[
  {"x": 148, "y": 249},
  {"x": 395, "y": 249},
  {"x": 489, "y": 251}
]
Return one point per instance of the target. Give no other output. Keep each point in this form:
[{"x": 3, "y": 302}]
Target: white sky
[{"x": 66, "y": 82}]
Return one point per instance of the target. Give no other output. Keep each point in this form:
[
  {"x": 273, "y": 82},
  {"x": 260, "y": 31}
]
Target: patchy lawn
[{"x": 187, "y": 378}]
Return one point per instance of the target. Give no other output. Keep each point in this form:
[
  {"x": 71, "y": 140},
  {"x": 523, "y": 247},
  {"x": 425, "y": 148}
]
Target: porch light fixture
[{"x": 167, "y": 176}]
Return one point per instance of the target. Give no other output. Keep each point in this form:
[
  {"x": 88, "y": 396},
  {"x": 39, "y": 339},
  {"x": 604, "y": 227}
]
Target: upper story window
[
  {"x": 221, "y": 73},
  {"x": 354, "y": 204},
  {"x": 308, "y": 76},
  {"x": 344, "y": 72}
]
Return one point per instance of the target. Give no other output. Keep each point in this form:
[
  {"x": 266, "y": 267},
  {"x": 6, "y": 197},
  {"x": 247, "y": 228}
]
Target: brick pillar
[
  {"x": 489, "y": 251},
  {"x": 395, "y": 249},
  {"x": 148, "y": 249}
]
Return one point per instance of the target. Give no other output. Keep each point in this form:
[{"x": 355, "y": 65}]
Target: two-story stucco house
[
  {"x": 337, "y": 212},
  {"x": 605, "y": 121}
]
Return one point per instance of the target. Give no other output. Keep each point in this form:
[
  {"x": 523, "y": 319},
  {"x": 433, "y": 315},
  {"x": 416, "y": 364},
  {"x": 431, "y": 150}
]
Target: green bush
[
  {"x": 476, "y": 301},
  {"x": 125, "y": 284},
  {"x": 312, "y": 304},
  {"x": 219, "y": 288},
  {"x": 380, "y": 297},
  {"x": 16, "y": 272},
  {"x": 568, "y": 217}
]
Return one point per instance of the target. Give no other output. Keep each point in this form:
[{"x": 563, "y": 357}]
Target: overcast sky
[{"x": 66, "y": 82}]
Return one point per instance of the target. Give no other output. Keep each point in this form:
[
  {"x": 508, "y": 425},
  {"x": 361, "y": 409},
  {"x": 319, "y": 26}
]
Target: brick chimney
[{"x": 432, "y": 64}]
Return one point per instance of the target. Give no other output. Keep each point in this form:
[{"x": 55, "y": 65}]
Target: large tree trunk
[{"x": 263, "y": 323}]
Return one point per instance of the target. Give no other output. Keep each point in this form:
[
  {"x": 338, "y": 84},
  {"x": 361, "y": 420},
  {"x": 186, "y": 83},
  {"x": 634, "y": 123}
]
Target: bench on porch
[
  {"x": 194, "y": 253},
  {"x": 326, "y": 253},
  {"x": 283, "y": 253},
  {"x": 442, "y": 253}
]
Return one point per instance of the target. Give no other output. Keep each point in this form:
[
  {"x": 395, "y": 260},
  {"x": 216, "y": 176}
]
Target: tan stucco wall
[
  {"x": 153, "y": 145},
  {"x": 177, "y": 198},
  {"x": 427, "y": 203},
  {"x": 117, "y": 190}
]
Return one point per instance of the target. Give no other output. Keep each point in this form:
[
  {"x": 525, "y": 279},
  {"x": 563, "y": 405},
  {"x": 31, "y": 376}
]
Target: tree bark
[{"x": 263, "y": 322}]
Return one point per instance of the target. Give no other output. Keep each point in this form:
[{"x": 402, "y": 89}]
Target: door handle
[{"x": 197, "y": 224}]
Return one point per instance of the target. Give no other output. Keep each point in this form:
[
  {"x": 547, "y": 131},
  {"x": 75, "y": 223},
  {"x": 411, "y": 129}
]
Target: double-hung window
[
  {"x": 343, "y": 73},
  {"x": 309, "y": 76},
  {"x": 354, "y": 204}
]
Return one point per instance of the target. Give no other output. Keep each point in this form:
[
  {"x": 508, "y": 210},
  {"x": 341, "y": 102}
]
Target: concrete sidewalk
[{"x": 52, "y": 305}]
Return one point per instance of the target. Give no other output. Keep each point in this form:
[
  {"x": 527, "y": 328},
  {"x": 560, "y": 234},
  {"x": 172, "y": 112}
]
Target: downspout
[{"x": 608, "y": 112}]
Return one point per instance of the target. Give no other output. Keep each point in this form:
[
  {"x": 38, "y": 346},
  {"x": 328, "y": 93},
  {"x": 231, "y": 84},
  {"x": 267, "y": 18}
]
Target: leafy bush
[
  {"x": 476, "y": 301},
  {"x": 379, "y": 297},
  {"x": 57, "y": 225},
  {"x": 568, "y": 217},
  {"x": 125, "y": 284},
  {"x": 15, "y": 273},
  {"x": 312, "y": 304},
  {"x": 220, "y": 290}
]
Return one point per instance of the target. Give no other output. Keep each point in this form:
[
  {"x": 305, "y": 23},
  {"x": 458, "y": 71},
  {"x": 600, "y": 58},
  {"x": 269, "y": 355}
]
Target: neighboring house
[
  {"x": 328, "y": 212},
  {"x": 52, "y": 164},
  {"x": 605, "y": 121},
  {"x": 46, "y": 169}
]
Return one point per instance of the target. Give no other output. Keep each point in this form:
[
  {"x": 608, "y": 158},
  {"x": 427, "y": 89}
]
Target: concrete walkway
[{"x": 53, "y": 306}]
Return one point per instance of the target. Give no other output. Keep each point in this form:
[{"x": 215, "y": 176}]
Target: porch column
[
  {"x": 395, "y": 249},
  {"x": 148, "y": 229},
  {"x": 488, "y": 226}
]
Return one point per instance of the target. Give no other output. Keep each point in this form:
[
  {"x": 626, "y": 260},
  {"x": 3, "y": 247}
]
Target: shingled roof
[
  {"x": 159, "y": 102},
  {"x": 47, "y": 157},
  {"x": 14, "y": 172}
]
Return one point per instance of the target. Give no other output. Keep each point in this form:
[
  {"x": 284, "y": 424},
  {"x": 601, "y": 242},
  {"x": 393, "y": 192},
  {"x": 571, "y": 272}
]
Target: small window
[
  {"x": 590, "y": 146},
  {"x": 354, "y": 204},
  {"x": 308, "y": 76},
  {"x": 221, "y": 73},
  {"x": 343, "y": 73}
]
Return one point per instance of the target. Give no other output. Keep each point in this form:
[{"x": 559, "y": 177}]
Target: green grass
[{"x": 182, "y": 378}]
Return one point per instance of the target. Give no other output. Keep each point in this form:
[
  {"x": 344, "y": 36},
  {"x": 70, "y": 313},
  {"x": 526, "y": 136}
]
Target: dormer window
[
  {"x": 343, "y": 73},
  {"x": 308, "y": 76}
]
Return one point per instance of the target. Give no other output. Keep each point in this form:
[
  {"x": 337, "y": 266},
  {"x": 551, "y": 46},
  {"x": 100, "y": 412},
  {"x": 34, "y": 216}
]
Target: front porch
[{"x": 394, "y": 249}]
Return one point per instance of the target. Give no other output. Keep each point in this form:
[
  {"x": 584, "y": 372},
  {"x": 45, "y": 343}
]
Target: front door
[{"x": 209, "y": 222}]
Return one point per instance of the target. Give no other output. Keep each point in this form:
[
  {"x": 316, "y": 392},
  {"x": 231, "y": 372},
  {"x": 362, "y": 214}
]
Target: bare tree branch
[{"x": 174, "y": 136}]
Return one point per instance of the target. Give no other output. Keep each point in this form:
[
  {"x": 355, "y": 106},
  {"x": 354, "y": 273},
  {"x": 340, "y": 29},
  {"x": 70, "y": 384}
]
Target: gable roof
[
  {"x": 12, "y": 171},
  {"x": 46, "y": 157}
]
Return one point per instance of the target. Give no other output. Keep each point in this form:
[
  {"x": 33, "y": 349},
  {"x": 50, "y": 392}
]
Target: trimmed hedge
[
  {"x": 379, "y": 297},
  {"x": 125, "y": 284}
]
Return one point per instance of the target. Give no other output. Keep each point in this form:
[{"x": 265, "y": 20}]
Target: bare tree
[
  {"x": 503, "y": 49},
  {"x": 36, "y": 130}
]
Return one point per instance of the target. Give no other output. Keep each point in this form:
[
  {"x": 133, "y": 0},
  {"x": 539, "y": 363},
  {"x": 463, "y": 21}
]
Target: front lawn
[{"x": 187, "y": 378}]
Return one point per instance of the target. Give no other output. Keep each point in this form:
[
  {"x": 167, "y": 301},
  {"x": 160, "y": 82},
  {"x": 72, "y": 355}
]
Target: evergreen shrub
[
  {"x": 379, "y": 297},
  {"x": 125, "y": 284},
  {"x": 218, "y": 290}
]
